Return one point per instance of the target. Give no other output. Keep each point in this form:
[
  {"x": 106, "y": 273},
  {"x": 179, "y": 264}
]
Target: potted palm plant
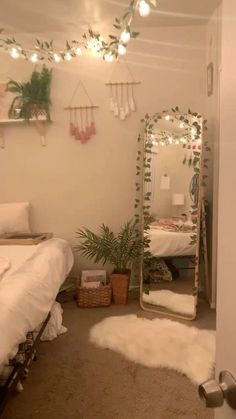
[
  {"x": 32, "y": 98},
  {"x": 119, "y": 249}
]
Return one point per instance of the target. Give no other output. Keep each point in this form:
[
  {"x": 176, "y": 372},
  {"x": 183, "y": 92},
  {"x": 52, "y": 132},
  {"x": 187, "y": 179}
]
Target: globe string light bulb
[
  {"x": 34, "y": 57},
  {"x": 14, "y": 53},
  {"x": 121, "y": 49},
  {"x": 167, "y": 117},
  {"x": 108, "y": 58},
  {"x": 68, "y": 56},
  {"x": 78, "y": 51},
  {"x": 170, "y": 140},
  {"x": 144, "y": 8},
  {"x": 56, "y": 57},
  {"x": 181, "y": 125},
  {"x": 125, "y": 36}
]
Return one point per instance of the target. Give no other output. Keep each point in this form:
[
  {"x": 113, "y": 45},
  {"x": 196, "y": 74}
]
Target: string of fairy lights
[
  {"x": 190, "y": 126},
  {"x": 108, "y": 50}
]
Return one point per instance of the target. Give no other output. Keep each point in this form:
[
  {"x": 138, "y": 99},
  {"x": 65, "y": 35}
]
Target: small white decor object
[
  {"x": 159, "y": 343},
  {"x": 165, "y": 182},
  {"x": 178, "y": 199},
  {"x": 14, "y": 218}
]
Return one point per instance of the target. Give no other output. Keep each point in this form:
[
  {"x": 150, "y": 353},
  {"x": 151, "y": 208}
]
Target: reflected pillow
[{"x": 14, "y": 218}]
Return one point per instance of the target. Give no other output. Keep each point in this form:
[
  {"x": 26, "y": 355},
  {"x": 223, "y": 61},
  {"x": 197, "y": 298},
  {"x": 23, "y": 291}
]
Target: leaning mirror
[{"x": 169, "y": 199}]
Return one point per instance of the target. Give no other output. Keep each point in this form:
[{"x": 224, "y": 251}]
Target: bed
[
  {"x": 28, "y": 290},
  {"x": 164, "y": 243}
]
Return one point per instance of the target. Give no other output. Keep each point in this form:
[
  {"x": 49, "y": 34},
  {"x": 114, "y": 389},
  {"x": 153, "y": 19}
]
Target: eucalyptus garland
[{"x": 112, "y": 48}]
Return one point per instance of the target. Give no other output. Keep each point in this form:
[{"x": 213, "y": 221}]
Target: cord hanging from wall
[
  {"x": 122, "y": 101},
  {"x": 82, "y": 123}
]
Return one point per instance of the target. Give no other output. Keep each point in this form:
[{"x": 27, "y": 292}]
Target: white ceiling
[{"x": 43, "y": 16}]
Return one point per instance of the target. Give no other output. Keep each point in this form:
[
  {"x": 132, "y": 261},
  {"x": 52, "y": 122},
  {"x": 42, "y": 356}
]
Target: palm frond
[{"x": 118, "y": 249}]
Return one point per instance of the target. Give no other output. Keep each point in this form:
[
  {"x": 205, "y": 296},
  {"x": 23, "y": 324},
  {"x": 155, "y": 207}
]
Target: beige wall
[
  {"x": 169, "y": 160},
  {"x": 71, "y": 185}
]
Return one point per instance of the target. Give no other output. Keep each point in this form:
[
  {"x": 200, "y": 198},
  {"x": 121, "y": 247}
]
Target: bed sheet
[
  {"x": 165, "y": 243},
  {"x": 28, "y": 290}
]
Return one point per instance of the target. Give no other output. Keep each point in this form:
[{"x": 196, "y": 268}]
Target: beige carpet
[{"x": 73, "y": 379}]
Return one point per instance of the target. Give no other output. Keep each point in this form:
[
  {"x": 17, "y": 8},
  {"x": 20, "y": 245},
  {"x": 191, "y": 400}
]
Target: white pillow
[{"x": 14, "y": 218}]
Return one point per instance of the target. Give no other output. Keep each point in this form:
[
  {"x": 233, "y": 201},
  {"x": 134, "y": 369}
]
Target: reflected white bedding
[
  {"x": 28, "y": 289},
  {"x": 167, "y": 243}
]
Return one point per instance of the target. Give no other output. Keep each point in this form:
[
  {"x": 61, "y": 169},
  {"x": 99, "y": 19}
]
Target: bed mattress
[
  {"x": 28, "y": 289},
  {"x": 170, "y": 243}
]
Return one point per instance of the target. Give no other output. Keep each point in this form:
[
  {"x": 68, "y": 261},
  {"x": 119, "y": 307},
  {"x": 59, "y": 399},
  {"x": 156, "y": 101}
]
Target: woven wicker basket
[{"x": 94, "y": 297}]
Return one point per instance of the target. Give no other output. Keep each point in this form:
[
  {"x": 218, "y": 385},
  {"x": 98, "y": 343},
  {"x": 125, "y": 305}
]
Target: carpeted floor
[{"x": 72, "y": 379}]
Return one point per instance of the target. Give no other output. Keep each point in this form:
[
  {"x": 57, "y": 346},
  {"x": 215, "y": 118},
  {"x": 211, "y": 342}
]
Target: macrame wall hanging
[
  {"x": 122, "y": 101},
  {"x": 82, "y": 124}
]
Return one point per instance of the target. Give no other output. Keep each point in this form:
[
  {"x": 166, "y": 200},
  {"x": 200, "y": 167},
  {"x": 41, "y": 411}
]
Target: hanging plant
[{"x": 32, "y": 98}]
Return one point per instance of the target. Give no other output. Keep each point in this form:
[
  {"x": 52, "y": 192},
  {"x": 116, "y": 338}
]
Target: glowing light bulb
[
  {"x": 68, "y": 56},
  {"x": 108, "y": 58},
  {"x": 170, "y": 140},
  {"x": 34, "y": 57},
  {"x": 78, "y": 51},
  {"x": 144, "y": 8},
  {"x": 162, "y": 143},
  {"x": 177, "y": 142},
  {"x": 121, "y": 49},
  {"x": 167, "y": 117},
  {"x": 154, "y": 142},
  {"x": 181, "y": 125},
  {"x": 125, "y": 37},
  {"x": 56, "y": 57},
  {"x": 14, "y": 53},
  {"x": 95, "y": 45}
]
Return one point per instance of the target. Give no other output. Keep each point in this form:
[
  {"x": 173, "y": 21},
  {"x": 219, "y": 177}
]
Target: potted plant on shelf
[
  {"x": 33, "y": 97},
  {"x": 119, "y": 249}
]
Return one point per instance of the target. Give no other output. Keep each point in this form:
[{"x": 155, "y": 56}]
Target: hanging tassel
[
  {"x": 132, "y": 103},
  {"x": 92, "y": 126}
]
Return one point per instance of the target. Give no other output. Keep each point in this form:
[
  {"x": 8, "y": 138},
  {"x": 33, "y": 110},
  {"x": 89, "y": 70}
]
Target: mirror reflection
[{"x": 170, "y": 272}]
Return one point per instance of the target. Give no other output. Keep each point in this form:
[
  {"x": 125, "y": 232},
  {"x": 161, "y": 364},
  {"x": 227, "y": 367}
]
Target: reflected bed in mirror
[{"x": 170, "y": 220}]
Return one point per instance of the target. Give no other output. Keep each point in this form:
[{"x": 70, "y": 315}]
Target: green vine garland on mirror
[
  {"x": 115, "y": 46},
  {"x": 193, "y": 127}
]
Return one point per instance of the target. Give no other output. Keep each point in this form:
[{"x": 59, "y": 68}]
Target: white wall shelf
[{"x": 40, "y": 125}]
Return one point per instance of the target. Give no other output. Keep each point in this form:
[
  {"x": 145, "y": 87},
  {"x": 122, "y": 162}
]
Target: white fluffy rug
[
  {"x": 159, "y": 343},
  {"x": 178, "y": 303}
]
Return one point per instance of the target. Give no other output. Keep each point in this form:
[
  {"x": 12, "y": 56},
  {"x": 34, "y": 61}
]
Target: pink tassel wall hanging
[{"x": 85, "y": 128}]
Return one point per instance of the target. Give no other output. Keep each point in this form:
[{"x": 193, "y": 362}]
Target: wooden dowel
[
  {"x": 68, "y": 108},
  {"x": 122, "y": 83}
]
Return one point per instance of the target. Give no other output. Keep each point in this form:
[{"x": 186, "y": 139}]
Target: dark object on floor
[
  {"x": 156, "y": 270},
  {"x": 18, "y": 366},
  {"x": 172, "y": 268}
]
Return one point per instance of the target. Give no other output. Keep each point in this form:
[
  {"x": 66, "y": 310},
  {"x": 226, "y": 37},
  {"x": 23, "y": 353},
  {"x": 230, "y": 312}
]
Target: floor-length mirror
[{"x": 171, "y": 208}]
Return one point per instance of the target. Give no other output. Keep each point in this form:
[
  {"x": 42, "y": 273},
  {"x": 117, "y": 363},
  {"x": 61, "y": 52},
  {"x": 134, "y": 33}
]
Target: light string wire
[{"x": 108, "y": 50}]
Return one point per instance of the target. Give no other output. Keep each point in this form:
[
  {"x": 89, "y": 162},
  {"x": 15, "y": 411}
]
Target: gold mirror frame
[{"x": 193, "y": 127}]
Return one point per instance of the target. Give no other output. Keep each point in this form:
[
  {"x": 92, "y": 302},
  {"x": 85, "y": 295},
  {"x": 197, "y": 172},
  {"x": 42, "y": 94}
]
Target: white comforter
[
  {"x": 29, "y": 288},
  {"x": 165, "y": 243}
]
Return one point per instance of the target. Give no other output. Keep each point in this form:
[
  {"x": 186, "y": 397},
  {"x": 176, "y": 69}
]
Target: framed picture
[
  {"x": 93, "y": 278},
  {"x": 210, "y": 79}
]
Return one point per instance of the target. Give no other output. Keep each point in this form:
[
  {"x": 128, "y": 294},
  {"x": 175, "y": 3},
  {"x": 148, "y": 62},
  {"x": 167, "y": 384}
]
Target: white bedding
[
  {"x": 167, "y": 243},
  {"x": 28, "y": 289}
]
